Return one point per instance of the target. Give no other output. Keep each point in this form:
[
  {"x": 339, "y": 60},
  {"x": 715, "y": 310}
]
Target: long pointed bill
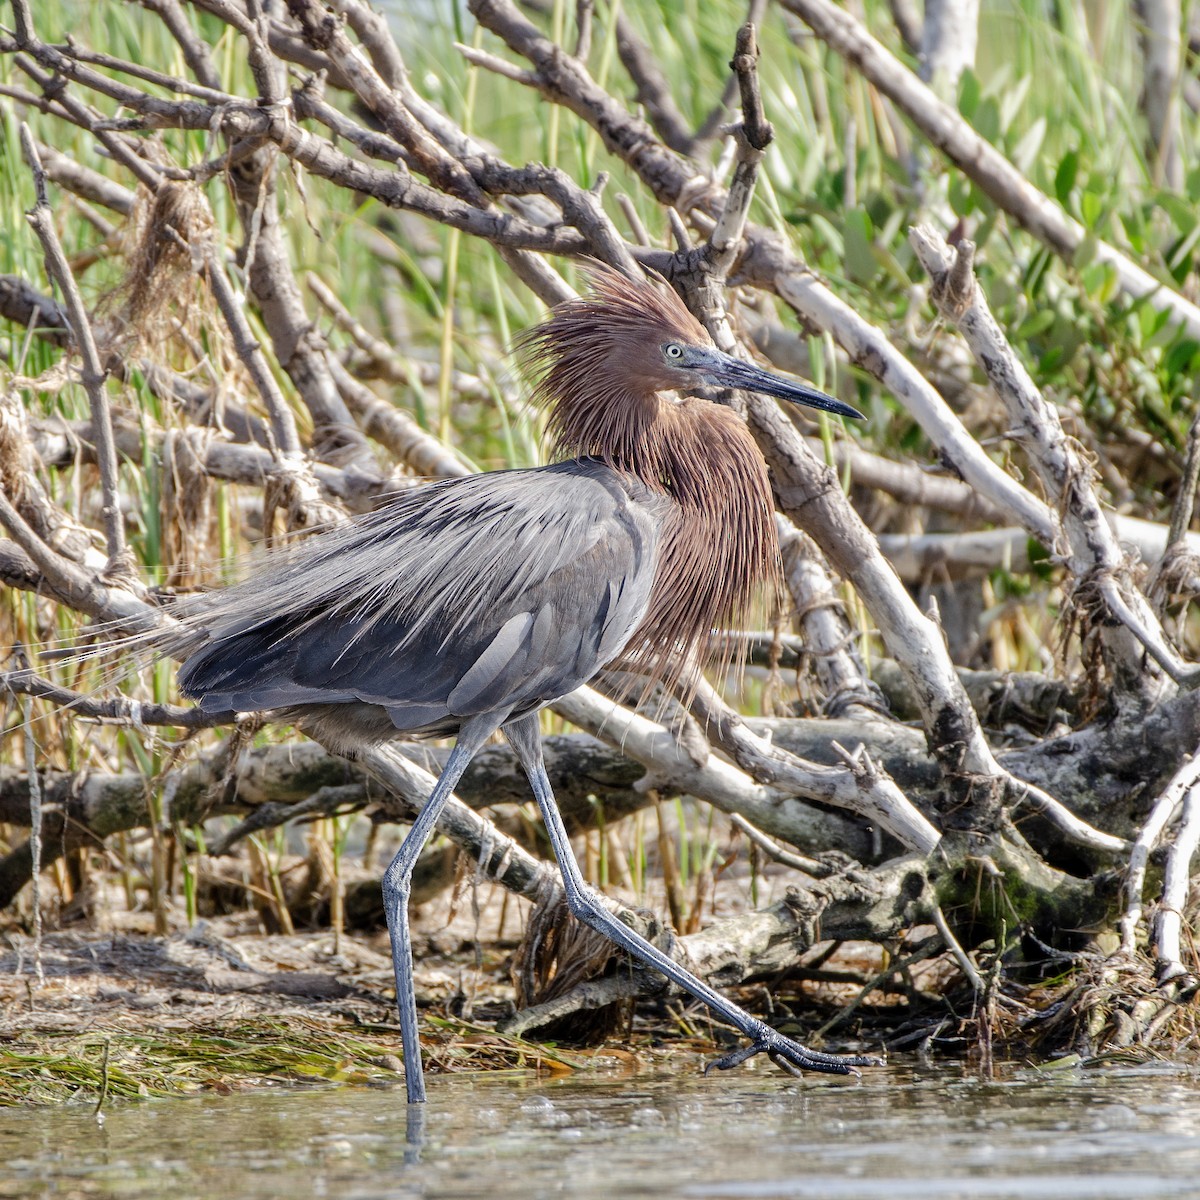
[{"x": 734, "y": 373}]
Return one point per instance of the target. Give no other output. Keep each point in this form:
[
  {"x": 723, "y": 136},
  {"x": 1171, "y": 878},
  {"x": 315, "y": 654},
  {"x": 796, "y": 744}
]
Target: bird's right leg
[
  {"x": 397, "y": 887},
  {"x": 587, "y": 906}
]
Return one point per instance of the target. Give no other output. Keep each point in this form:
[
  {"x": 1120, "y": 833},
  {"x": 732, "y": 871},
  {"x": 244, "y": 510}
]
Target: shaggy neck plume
[
  {"x": 720, "y": 544},
  {"x": 593, "y": 363}
]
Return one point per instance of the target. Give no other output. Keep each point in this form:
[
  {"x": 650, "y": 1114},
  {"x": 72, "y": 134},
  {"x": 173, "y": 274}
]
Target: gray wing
[{"x": 496, "y": 592}]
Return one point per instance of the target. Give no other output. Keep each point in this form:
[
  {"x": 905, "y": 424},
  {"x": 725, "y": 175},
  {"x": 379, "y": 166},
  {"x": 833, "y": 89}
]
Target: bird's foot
[{"x": 793, "y": 1057}]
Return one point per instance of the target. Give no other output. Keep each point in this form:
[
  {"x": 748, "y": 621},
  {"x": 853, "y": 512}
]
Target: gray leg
[
  {"x": 525, "y": 738},
  {"x": 397, "y": 886}
]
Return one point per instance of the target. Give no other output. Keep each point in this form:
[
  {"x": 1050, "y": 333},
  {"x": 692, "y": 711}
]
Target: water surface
[{"x": 929, "y": 1134}]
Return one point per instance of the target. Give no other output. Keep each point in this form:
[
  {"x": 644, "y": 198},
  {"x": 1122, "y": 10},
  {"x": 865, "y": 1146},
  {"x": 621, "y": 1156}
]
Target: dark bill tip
[{"x": 734, "y": 373}]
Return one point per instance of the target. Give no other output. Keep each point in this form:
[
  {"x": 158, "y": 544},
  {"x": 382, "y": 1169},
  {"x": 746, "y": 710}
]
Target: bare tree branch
[
  {"x": 980, "y": 161},
  {"x": 1161, "y": 35},
  {"x": 94, "y": 374},
  {"x": 1092, "y": 549}
]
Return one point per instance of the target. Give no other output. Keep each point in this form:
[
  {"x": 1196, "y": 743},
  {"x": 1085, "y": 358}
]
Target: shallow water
[{"x": 933, "y": 1134}]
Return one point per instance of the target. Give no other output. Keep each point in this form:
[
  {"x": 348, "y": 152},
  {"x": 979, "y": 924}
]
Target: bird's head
[
  {"x": 689, "y": 364},
  {"x": 637, "y": 339}
]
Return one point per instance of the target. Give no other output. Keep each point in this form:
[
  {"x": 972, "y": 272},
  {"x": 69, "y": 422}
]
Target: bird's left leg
[
  {"x": 397, "y": 886},
  {"x": 584, "y": 903}
]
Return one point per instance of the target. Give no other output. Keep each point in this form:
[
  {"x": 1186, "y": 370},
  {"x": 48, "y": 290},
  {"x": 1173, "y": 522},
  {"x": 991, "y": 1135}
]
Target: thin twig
[
  {"x": 329, "y": 801},
  {"x": 754, "y": 135},
  {"x": 494, "y": 63},
  {"x": 636, "y": 228},
  {"x": 35, "y": 835},
  {"x": 196, "y": 51},
  {"x": 121, "y": 710},
  {"x": 653, "y": 91},
  {"x": 711, "y": 125},
  {"x": 421, "y": 451},
  {"x": 923, "y": 950},
  {"x": 283, "y": 423},
  {"x": 1168, "y": 801},
  {"x": 147, "y": 75},
  {"x": 584, "y": 11},
  {"x": 798, "y": 862},
  {"x": 1185, "y": 499},
  {"x": 94, "y": 375},
  {"x": 955, "y": 947},
  {"x": 1132, "y": 611},
  {"x": 1168, "y": 923},
  {"x": 98, "y": 1111},
  {"x": 378, "y": 359},
  {"x": 1073, "y": 827},
  {"x": 755, "y": 126}
]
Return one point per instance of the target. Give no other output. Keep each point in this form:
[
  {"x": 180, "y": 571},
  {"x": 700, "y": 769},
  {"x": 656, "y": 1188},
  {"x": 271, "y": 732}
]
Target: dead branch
[
  {"x": 976, "y": 158},
  {"x": 1168, "y": 920},
  {"x": 1165, "y": 808},
  {"x": 94, "y": 375},
  {"x": 766, "y": 795},
  {"x": 1092, "y": 550},
  {"x": 827, "y": 635},
  {"x": 1160, "y": 33}
]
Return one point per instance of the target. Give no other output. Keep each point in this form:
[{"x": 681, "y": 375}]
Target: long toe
[
  {"x": 734, "y": 1058},
  {"x": 794, "y": 1058}
]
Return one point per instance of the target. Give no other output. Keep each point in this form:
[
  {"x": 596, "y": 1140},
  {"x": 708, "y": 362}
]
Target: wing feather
[{"x": 496, "y": 591}]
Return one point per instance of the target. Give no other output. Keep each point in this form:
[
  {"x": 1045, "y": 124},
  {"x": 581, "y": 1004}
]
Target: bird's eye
[{"x": 673, "y": 352}]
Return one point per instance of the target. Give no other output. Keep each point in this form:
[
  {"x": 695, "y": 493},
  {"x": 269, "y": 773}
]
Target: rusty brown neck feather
[
  {"x": 597, "y": 368},
  {"x": 719, "y": 544}
]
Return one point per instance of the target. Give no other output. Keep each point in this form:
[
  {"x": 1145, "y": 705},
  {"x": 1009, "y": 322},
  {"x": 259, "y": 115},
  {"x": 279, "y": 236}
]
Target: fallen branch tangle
[{"x": 416, "y": 161}]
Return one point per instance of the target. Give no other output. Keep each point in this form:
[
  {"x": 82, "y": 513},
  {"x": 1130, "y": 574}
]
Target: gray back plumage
[
  {"x": 496, "y": 592},
  {"x": 500, "y": 592}
]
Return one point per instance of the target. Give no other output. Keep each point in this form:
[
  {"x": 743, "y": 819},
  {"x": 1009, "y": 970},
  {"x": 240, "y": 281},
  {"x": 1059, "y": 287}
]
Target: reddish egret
[{"x": 464, "y": 607}]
